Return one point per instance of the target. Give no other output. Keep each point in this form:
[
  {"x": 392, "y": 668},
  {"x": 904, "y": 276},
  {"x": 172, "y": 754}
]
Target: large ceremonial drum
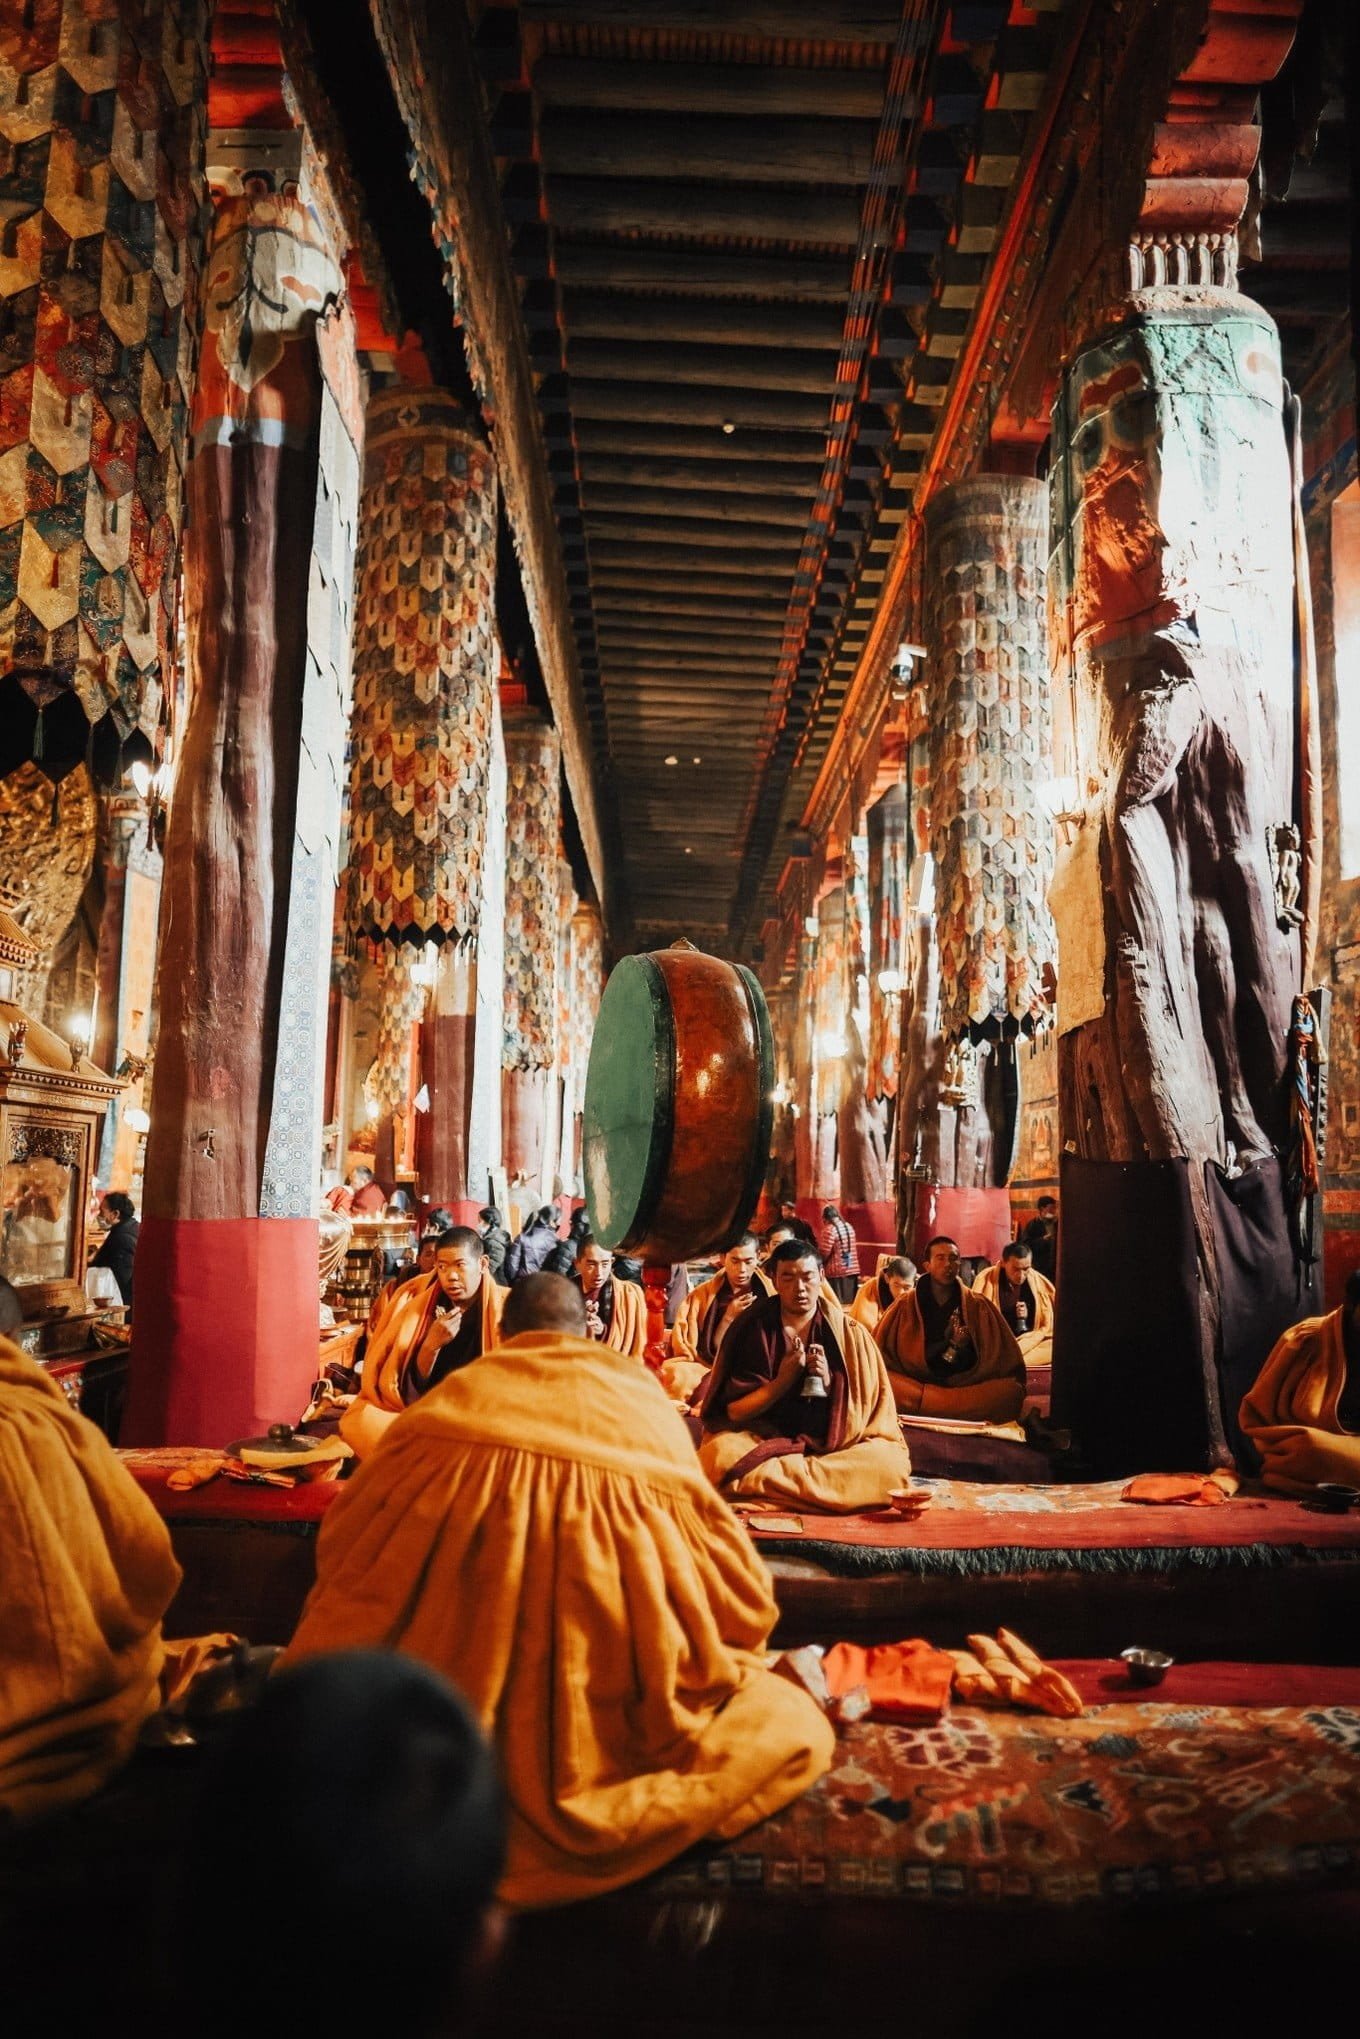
[{"x": 678, "y": 1107}]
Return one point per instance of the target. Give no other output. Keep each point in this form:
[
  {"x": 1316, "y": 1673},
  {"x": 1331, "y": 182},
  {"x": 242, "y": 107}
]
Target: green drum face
[{"x": 678, "y": 1114}]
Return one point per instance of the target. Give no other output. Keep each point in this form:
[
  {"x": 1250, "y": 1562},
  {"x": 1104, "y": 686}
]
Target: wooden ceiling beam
[
  {"x": 630, "y": 641},
  {"x": 666, "y": 404},
  {"x": 743, "y": 150},
  {"x": 615, "y": 589},
  {"x": 738, "y": 368},
  {"x": 744, "y": 89},
  {"x": 707, "y": 272},
  {"x": 605, "y": 315},
  {"x": 622, "y": 205},
  {"x": 777, "y": 516},
  {"x": 716, "y": 449},
  {"x": 678, "y": 559},
  {"x": 703, "y": 477},
  {"x": 855, "y": 22},
  {"x": 764, "y": 554}
]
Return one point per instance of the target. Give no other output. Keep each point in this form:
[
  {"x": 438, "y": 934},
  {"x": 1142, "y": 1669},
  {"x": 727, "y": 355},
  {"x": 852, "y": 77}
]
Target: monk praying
[
  {"x": 432, "y": 1327},
  {"x": 798, "y": 1407},
  {"x": 1303, "y": 1414},
  {"x": 894, "y": 1277},
  {"x": 949, "y": 1351},
  {"x": 616, "y": 1313},
  {"x": 1025, "y": 1299},
  {"x": 538, "y": 1530},
  {"x": 709, "y": 1312}
]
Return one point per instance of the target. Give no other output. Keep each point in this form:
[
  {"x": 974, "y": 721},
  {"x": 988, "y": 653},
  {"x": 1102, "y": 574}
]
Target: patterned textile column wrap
[
  {"x": 587, "y": 988},
  {"x": 862, "y": 1120},
  {"x": 1172, "y": 604},
  {"x": 533, "y": 831},
  {"x": 101, "y": 201},
  {"x": 226, "y": 1327},
  {"x": 991, "y": 748},
  {"x": 887, "y": 824},
  {"x": 562, "y": 1145},
  {"x": 425, "y": 664},
  {"x": 804, "y": 1062},
  {"x": 829, "y": 1041}
]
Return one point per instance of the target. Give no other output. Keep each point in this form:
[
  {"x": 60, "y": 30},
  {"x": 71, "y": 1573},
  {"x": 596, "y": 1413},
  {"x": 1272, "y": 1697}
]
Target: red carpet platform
[{"x": 1073, "y": 1568}]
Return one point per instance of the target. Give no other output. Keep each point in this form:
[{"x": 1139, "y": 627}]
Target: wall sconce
[
  {"x": 136, "y": 1120},
  {"x": 372, "y": 1110},
  {"x": 1058, "y": 799},
  {"x": 79, "y": 1034},
  {"x": 152, "y": 787},
  {"x": 903, "y": 661},
  {"x": 811, "y": 925},
  {"x": 891, "y": 983},
  {"x": 425, "y": 969},
  {"x": 832, "y": 1046},
  {"x": 780, "y": 1094}
]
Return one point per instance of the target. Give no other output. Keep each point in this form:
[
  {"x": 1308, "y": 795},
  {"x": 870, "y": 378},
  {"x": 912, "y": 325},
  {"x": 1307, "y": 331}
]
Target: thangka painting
[
  {"x": 101, "y": 197},
  {"x": 425, "y": 665}
]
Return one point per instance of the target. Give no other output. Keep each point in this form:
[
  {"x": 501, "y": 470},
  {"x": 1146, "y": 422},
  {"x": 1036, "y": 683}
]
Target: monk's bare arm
[{"x": 364, "y": 1425}]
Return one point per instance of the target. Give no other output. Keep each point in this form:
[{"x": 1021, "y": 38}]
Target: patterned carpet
[{"x": 1146, "y": 1800}]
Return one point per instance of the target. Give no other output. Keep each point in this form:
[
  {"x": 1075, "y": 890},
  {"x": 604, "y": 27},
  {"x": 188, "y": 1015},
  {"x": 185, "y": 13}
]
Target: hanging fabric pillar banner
[
  {"x": 101, "y": 199},
  {"x": 533, "y": 831},
  {"x": 887, "y": 824},
  {"x": 484, "y": 1128}
]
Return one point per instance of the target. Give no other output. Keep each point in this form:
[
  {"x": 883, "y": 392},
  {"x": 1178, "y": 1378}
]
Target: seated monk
[
  {"x": 431, "y": 1328},
  {"x": 86, "y": 1573},
  {"x": 538, "y": 1530},
  {"x": 895, "y": 1276},
  {"x": 616, "y": 1311},
  {"x": 708, "y": 1314},
  {"x": 1303, "y": 1414},
  {"x": 949, "y": 1352},
  {"x": 798, "y": 1408},
  {"x": 1025, "y": 1299}
]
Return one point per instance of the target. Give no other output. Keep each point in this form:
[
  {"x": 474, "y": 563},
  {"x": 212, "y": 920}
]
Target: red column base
[{"x": 225, "y": 1331}]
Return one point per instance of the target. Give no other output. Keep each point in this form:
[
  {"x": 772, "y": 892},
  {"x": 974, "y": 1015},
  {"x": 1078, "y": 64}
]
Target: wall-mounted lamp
[
  {"x": 891, "y": 983},
  {"x": 1058, "y": 799},
  {"x": 137, "y": 1120},
  {"x": 152, "y": 787},
  {"x": 811, "y": 925},
  {"x": 79, "y": 1034},
  {"x": 832, "y": 1046},
  {"x": 903, "y": 662}
]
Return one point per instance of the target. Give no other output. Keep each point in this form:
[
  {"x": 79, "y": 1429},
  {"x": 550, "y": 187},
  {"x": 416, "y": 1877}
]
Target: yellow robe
[
  {"x": 686, "y": 1332},
  {"x": 1290, "y": 1413},
  {"x": 992, "y": 1391},
  {"x": 398, "y": 1333},
  {"x": 628, "y": 1325},
  {"x": 866, "y": 1308},
  {"x": 538, "y": 1529},
  {"x": 86, "y": 1573},
  {"x": 1036, "y": 1346},
  {"x": 860, "y": 1472}
]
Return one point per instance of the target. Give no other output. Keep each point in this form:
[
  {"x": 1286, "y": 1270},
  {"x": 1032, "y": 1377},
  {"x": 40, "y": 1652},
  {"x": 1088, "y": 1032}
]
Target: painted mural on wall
[
  {"x": 425, "y": 665},
  {"x": 102, "y": 115},
  {"x": 47, "y": 852}
]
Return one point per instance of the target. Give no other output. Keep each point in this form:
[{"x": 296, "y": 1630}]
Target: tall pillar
[
  {"x": 888, "y": 865},
  {"x": 803, "y": 1103},
  {"x": 1173, "y": 590},
  {"x": 533, "y": 833},
  {"x": 990, "y": 755},
  {"x": 125, "y": 977},
  {"x": 425, "y": 665},
  {"x": 863, "y": 1119},
  {"x": 587, "y": 989},
  {"x": 830, "y": 1042},
  {"x": 101, "y": 198},
  {"x": 226, "y": 1322}
]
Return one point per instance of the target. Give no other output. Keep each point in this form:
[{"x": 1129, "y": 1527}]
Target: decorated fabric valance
[
  {"x": 990, "y": 751},
  {"x": 425, "y": 666},
  {"x": 887, "y": 823},
  {"x": 102, "y": 113},
  {"x": 533, "y": 807}
]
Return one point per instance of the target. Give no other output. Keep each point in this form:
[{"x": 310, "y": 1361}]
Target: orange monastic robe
[
  {"x": 868, "y": 1307},
  {"x": 538, "y": 1529},
  {"x": 628, "y": 1322},
  {"x": 1036, "y": 1346},
  {"x": 694, "y": 1337},
  {"x": 864, "y": 1457},
  {"x": 992, "y": 1390},
  {"x": 86, "y": 1573},
  {"x": 1290, "y": 1415}
]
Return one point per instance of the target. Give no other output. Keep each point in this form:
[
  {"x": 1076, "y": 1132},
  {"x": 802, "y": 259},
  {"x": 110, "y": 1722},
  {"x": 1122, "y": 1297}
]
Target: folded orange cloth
[
  {"x": 904, "y": 1681},
  {"x": 195, "y": 1472},
  {"x": 1188, "y": 1490}
]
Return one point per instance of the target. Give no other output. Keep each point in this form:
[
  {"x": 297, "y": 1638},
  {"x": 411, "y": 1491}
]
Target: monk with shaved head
[
  {"x": 537, "y": 1528},
  {"x": 430, "y": 1328}
]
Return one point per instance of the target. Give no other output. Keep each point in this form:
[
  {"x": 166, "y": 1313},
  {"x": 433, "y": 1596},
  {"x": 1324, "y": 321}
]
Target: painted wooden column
[
  {"x": 830, "y": 1042},
  {"x": 1173, "y": 592},
  {"x": 424, "y": 702},
  {"x": 533, "y": 833},
  {"x": 863, "y": 1119},
  {"x": 990, "y": 756},
  {"x": 226, "y": 1323},
  {"x": 101, "y": 203}
]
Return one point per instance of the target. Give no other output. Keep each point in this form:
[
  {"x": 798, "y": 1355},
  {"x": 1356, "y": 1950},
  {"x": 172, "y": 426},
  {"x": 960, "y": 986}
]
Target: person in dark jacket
[
  {"x": 495, "y": 1241},
  {"x": 120, "y": 1241},
  {"x": 563, "y": 1258},
  {"x": 529, "y": 1252}
]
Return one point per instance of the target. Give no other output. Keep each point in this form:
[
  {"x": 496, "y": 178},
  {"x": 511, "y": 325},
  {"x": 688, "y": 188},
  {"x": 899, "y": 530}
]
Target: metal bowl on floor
[
  {"x": 1146, "y": 1667},
  {"x": 1334, "y": 1497}
]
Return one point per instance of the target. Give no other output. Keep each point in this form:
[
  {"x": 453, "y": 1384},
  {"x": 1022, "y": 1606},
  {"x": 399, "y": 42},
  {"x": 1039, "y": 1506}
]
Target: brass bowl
[
  {"x": 1146, "y": 1667},
  {"x": 1334, "y": 1497}
]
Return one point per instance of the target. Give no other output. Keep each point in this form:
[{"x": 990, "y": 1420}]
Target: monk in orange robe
[
  {"x": 1303, "y": 1413},
  {"x": 616, "y": 1311},
  {"x": 949, "y": 1352},
  {"x": 431, "y": 1328},
  {"x": 86, "y": 1573},
  {"x": 538, "y": 1529},
  {"x": 798, "y": 1407},
  {"x": 708, "y": 1314},
  {"x": 894, "y": 1276},
  {"x": 1025, "y": 1299}
]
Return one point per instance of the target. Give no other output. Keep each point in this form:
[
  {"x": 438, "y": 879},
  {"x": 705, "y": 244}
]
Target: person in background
[
  {"x": 1041, "y": 1237},
  {"x": 950, "y": 1352},
  {"x": 358, "y": 1790},
  {"x": 495, "y": 1240},
  {"x": 616, "y": 1314},
  {"x": 712, "y": 1309},
  {"x": 366, "y": 1199},
  {"x": 840, "y": 1254},
  {"x": 528, "y": 1253},
  {"x": 896, "y": 1277},
  {"x": 119, "y": 1248},
  {"x": 432, "y": 1327},
  {"x": 1303, "y": 1412},
  {"x": 567, "y": 1252},
  {"x": 1024, "y": 1298}
]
